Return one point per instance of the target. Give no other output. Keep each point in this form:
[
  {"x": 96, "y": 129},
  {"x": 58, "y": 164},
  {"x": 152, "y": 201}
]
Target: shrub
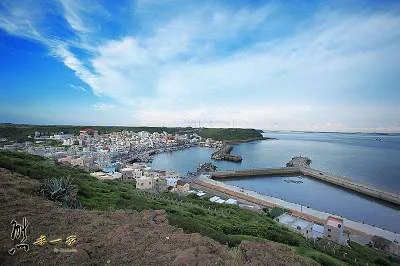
[
  {"x": 61, "y": 190},
  {"x": 197, "y": 210},
  {"x": 192, "y": 196},
  {"x": 275, "y": 212}
]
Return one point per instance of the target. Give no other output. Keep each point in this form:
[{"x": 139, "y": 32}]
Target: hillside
[
  {"x": 118, "y": 237},
  {"x": 230, "y": 134}
]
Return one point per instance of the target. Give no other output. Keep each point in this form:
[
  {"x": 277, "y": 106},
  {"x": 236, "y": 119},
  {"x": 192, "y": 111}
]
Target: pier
[{"x": 320, "y": 175}]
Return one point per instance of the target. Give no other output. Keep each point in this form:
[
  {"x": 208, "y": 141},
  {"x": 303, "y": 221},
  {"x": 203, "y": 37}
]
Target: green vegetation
[
  {"x": 61, "y": 190},
  {"x": 319, "y": 257},
  {"x": 231, "y": 134},
  {"x": 276, "y": 211},
  {"x": 224, "y": 223}
]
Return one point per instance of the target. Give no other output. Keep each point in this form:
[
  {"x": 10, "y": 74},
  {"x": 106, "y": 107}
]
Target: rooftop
[{"x": 334, "y": 221}]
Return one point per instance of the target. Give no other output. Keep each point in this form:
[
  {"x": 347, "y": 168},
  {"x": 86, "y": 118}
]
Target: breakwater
[
  {"x": 320, "y": 175},
  {"x": 224, "y": 153}
]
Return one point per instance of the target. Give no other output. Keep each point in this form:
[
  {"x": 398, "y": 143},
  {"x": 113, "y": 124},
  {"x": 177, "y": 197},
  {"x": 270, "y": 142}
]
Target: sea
[{"x": 372, "y": 159}]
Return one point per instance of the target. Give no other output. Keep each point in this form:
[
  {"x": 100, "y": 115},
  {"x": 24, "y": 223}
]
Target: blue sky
[{"x": 279, "y": 65}]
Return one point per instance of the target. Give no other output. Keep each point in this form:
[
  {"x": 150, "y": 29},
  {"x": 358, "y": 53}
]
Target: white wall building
[
  {"x": 296, "y": 224},
  {"x": 171, "y": 182}
]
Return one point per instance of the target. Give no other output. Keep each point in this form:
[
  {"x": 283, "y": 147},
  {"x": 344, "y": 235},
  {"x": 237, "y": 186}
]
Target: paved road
[{"x": 315, "y": 215}]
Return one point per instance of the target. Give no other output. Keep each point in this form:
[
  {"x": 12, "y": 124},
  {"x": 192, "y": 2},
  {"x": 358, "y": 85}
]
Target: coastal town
[
  {"x": 125, "y": 156},
  {"x": 92, "y": 151}
]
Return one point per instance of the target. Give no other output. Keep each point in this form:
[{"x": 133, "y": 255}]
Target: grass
[
  {"x": 225, "y": 223},
  {"x": 319, "y": 257}
]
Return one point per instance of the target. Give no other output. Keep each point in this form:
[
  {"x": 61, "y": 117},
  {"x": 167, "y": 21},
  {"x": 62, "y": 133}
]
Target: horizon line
[{"x": 264, "y": 130}]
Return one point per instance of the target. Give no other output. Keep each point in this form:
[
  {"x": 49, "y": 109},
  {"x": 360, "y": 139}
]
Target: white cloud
[
  {"x": 323, "y": 59},
  {"x": 72, "y": 11},
  {"x": 72, "y": 62},
  {"x": 103, "y": 106},
  {"x": 78, "y": 88}
]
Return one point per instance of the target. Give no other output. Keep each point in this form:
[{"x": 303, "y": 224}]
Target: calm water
[{"x": 357, "y": 156}]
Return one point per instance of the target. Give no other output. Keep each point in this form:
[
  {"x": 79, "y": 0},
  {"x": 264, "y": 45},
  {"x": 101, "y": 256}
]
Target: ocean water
[{"x": 360, "y": 157}]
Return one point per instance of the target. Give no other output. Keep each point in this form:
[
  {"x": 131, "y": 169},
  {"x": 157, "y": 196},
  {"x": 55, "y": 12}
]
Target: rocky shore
[{"x": 224, "y": 154}]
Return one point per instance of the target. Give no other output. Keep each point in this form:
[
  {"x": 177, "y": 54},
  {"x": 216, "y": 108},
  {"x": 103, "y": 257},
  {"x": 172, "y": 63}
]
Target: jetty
[
  {"x": 301, "y": 167},
  {"x": 224, "y": 153}
]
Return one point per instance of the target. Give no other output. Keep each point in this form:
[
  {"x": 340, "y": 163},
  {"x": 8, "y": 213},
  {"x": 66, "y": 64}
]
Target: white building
[
  {"x": 231, "y": 201},
  {"x": 214, "y": 199},
  {"x": 296, "y": 224},
  {"x": 317, "y": 231},
  {"x": 144, "y": 134},
  {"x": 106, "y": 176},
  {"x": 171, "y": 182},
  {"x": 200, "y": 194},
  {"x": 217, "y": 199}
]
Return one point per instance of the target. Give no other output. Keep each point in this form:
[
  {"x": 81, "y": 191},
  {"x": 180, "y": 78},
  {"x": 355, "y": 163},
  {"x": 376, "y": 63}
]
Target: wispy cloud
[
  {"x": 72, "y": 13},
  {"x": 103, "y": 106},
  {"x": 78, "y": 88}
]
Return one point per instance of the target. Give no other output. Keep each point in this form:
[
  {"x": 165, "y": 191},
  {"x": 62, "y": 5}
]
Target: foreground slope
[{"x": 118, "y": 237}]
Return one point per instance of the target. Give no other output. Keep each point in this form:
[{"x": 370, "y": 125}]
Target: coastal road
[{"x": 297, "y": 209}]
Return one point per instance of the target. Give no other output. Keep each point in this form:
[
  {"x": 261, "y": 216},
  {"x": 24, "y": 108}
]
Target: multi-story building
[{"x": 333, "y": 230}]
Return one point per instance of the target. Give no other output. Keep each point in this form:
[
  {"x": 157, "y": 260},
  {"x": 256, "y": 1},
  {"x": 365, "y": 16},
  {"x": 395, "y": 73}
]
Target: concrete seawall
[
  {"x": 298, "y": 210},
  {"x": 326, "y": 177},
  {"x": 257, "y": 172}
]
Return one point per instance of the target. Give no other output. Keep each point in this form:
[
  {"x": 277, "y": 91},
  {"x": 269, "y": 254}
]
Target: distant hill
[
  {"x": 231, "y": 134},
  {"x": 20, "y": 132}
]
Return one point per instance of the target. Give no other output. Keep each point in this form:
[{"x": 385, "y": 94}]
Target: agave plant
[{"x": 61, "y": 190}]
